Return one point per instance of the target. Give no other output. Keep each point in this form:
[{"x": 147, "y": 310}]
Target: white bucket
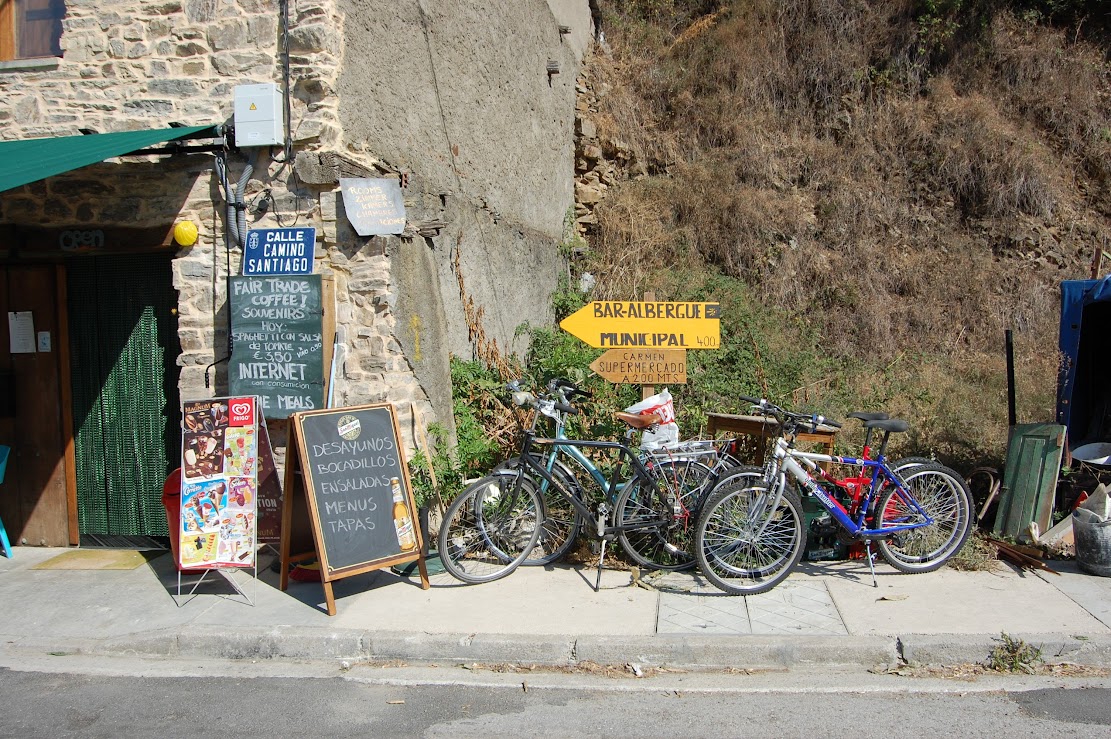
[{"x": 1098, "y": 453}]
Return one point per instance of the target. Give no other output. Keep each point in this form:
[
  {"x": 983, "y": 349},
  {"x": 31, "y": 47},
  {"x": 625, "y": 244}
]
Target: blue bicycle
[{"x": 750, "y": 536}]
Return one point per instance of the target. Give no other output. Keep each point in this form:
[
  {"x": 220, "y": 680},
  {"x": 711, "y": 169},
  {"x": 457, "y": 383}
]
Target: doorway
[
  {"x": 123, "y": 348},
  {"x": 34, "y": 504}
]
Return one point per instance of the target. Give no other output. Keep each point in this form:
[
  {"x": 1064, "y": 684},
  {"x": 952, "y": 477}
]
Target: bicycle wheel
[
  {"x": 562, "y": 522},
  {"x": 943, "y": 495},
  {"x": 747, "y": 474},
  {"x": 689, "y": 480},
  {"x": 905, "y": 463},
  {"x": 655, "y": 537},
  {"x": 490, "y": 528},
  {"x": 743, "y": 545}
]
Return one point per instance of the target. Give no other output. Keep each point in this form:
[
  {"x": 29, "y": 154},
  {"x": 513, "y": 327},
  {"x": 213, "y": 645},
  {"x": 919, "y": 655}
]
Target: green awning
[{"x": 35, "y": 159}]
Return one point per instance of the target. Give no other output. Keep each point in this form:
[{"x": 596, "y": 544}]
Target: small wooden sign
[
  {"x": 643, "y": 366},
  {"x": 348, "y": 499}
]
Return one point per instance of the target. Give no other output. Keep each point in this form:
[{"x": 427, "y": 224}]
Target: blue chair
[{"x": 4, "y": 452}]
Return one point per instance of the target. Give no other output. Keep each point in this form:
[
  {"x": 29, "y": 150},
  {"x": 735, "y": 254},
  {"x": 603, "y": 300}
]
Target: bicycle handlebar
[
  {"x": 568, "y": 388},
  {"x": 784, "y": 416},
  {"x": 559, "y": 388}
]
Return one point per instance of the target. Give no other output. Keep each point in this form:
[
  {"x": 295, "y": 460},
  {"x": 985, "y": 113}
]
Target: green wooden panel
[{"x": 1030, "y": 478}]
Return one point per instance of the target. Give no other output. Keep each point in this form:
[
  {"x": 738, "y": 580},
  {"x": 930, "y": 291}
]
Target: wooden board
[
  {"x": 341, "y": 465},
  {"x": 643, "y": 366},
  {"x": 269, "y": 489},
  {"x": 1030, "y": 478}
]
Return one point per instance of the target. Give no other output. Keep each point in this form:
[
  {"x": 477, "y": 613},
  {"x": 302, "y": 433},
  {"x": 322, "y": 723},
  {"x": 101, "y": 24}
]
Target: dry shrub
[
  {"x": 991, "y": 168},
  {"x": 1057, "y": 83},
  {"x": 911, "y": 214},
  {"x": 624, "y": 114}
]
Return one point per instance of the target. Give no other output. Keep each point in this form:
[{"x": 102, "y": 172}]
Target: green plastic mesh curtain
[{"x": 124, "y": 394}]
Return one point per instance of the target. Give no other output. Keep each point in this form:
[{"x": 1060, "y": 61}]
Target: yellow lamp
[{"x": 185, "y": 233}]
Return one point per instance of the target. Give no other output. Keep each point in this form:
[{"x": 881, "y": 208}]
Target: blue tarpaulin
[{"x": 1084, "y": 383}]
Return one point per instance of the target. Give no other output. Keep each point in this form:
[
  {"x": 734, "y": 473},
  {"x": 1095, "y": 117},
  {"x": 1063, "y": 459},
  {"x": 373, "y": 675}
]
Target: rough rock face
[
  {"x": 461, "y": 99},
  {"x": 599, "y": 162}
]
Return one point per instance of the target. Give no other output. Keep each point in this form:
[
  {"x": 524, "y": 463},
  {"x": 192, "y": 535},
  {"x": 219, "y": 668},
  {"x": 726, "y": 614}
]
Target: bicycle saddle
[
  {"x": 637, "y": 422},
  {"x": 892, "y": 425}
]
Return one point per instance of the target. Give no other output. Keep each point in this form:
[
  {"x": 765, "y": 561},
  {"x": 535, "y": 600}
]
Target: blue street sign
[{"x": 279, "y": 251}]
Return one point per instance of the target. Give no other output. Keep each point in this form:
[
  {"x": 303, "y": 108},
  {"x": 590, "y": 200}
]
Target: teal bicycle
[{"x": 532, "y": 508}]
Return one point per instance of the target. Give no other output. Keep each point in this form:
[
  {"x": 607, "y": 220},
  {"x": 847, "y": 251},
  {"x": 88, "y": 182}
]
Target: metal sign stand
[
  {"x": 220, "y": 472},
  {"x": 223, "y": 571}
]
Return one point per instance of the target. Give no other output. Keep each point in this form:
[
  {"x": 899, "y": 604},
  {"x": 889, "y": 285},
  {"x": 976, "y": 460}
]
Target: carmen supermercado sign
[{"x": 648, "y": 324}]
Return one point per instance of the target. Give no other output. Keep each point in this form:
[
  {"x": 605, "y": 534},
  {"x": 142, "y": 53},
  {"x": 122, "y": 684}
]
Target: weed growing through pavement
[
  {"x": 977, "y": 554},
  {"x": 1014, "y": 655}
]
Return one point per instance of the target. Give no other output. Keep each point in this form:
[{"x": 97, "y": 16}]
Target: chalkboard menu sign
[
  {"x": 277, "y": 342},
  {"x": 353, "y": 477}
]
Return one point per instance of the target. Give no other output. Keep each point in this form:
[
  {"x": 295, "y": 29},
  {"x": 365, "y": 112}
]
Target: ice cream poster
[{"x": 219, "y": 500}]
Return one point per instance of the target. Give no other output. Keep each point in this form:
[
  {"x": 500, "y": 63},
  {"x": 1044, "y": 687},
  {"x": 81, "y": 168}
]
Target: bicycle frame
[
  {"x": 786, "y": 460},
  {"x": 648, "y": 459},
  {"x": 611, "y": 486}
]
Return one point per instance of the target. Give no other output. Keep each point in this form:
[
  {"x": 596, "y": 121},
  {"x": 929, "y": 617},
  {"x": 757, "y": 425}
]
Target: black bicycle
[{"x": 538, "y": 499}]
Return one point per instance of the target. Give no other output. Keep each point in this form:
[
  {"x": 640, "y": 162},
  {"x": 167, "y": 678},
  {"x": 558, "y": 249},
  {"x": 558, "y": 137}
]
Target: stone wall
[
  {"x": 477, "y": 105},
  {"x": 478, "y": 122},
  {"x": 146, "y": 65}
]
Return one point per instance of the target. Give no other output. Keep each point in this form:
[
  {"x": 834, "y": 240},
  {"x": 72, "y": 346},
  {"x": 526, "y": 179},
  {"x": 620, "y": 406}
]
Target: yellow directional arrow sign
[
  {"x": 666, "y": 325},
  {"x": 643, "y": 366}
]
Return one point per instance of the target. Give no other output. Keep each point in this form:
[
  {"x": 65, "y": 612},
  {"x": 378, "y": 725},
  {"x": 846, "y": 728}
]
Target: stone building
[{"x": 118, "y": 125}]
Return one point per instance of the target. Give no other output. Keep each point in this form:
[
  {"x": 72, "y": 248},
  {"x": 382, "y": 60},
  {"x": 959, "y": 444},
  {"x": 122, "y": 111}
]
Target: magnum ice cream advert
[{"x": 219, "y": 465}]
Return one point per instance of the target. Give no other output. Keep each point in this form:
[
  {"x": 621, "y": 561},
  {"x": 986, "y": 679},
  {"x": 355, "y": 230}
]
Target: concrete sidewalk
[{"x": 826, "y": 613}]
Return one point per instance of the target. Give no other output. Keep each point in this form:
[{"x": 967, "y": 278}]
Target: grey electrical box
[{"x": 259, "y": 115}]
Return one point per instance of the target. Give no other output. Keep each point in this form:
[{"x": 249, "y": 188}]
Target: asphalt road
[{"x": 97, "y": 700}]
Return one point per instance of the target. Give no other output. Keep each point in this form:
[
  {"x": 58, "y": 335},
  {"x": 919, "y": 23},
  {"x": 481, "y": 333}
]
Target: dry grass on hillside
[{"x": 910, "y": 199}]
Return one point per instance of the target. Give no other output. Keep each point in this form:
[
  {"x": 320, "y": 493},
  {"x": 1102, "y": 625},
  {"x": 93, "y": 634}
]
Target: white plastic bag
[
  {"x": 1091, "y": 529},
  {"x": 1099, "y": 503},
  {"x": 661, "y": 405}
]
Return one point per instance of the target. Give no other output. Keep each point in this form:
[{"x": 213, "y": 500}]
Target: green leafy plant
[
  {"x": 482, "y": 425},
  {"x": 1014, "y": 655}
]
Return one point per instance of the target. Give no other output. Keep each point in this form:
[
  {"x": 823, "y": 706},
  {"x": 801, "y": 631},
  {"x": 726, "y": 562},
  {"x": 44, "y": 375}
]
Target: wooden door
[
  {"x": 34, "y": 504},
  {"x": 1030, "y": 478}
]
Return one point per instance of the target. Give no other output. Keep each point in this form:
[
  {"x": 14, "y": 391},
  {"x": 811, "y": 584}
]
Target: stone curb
[
  {"x": 737, "y": 651},
  {"x": 1093, "y": 650},
  {"x": 669, "y": 650}
]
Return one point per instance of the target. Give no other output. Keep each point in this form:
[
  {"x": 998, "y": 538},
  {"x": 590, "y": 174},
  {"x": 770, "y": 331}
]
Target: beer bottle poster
[
  {"x": 357, "y": 483},
  {"x": 269, "y": 488},
  {"x": 219, "y": 475}
]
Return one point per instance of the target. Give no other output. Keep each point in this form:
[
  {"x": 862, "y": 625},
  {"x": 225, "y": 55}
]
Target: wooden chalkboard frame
[{"x": 299, "y": 508}]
